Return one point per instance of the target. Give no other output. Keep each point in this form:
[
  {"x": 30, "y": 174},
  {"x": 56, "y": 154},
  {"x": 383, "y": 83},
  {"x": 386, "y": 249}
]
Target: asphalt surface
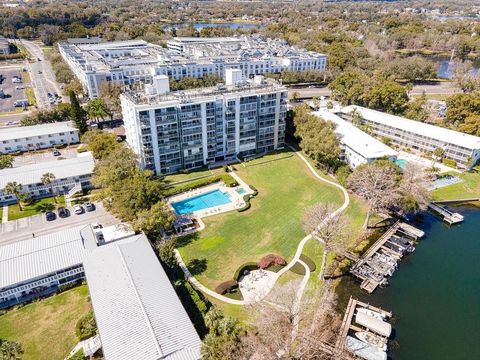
[
  {"x": 25, "y": 228},
  {"x": 41, "y": 73},
  {"x": 10, "y": 89},
  {"x": 43, "y": 156}
]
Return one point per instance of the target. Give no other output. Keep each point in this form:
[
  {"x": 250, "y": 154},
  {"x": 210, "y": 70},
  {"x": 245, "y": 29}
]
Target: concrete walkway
[
  {"x": 5, "y": 213},
  {"x": 295, "y": 259}
]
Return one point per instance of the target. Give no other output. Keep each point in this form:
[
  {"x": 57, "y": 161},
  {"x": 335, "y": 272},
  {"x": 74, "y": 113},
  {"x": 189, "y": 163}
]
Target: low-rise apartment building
[
  {"x": 170, "y": 131},
  {"x": 71, "y": 175},
  {"x": 462, "y": 148},
  {"x": 4, "y": 46},
  {"x": 27, "y": 138},
  {"x": 128, "y": 62},
  {"x": 357, "y": 146}
]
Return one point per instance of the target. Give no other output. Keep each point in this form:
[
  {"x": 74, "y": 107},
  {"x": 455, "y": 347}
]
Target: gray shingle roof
[{"x": 138, "y": 313}]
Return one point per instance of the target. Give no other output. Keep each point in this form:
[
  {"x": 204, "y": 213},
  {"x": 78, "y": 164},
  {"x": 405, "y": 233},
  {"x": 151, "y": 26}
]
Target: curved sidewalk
[{"x": 296, "y": 258}]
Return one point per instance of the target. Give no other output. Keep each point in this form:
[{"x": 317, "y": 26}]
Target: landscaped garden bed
[{"x": 36, "y": 207}]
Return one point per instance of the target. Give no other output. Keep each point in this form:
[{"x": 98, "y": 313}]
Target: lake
[
  {"x": 446, "y": 69},
  {"x": 434, "y": 294}
]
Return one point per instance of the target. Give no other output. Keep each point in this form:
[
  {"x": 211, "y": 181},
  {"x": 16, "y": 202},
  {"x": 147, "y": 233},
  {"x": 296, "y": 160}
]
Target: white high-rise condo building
[
  {"x": 170, "y": 131},
  {"x": 127, "y": 62}
]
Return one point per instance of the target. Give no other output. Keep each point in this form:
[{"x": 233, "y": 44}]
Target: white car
[{"x": 78, "y": 209}]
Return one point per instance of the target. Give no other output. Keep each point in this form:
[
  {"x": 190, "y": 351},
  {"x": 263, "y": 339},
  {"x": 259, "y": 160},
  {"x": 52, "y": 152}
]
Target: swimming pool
[
  {"x": 202, "y": 201},
  {"x": 401, "y": 163},
  {"x": 240, "y": 191}
]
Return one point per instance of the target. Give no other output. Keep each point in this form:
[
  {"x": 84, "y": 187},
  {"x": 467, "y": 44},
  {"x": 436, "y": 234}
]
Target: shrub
[
  {"x": 86, "y": 327},
  {"x": 59, "y": 146},
  {"x": 82, "y": 150},
  {"x": 79, "y": 355},
  {"x": 225, "y": 168},
  {"x": 226, "y": 286},
  {"x": 201, "y": 304},
  {"x": 249, "y": 266},
  {"x": 226, "y": 178},
  {"x": 271, "y": 259},
  {"x": 449, "y": 162},
  {"x": 246, "y": 199}
]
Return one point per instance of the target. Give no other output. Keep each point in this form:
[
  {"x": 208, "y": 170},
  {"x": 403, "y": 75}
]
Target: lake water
[
  {"x": 446, "y": 69},
  {"x": 434, "y": 294}
]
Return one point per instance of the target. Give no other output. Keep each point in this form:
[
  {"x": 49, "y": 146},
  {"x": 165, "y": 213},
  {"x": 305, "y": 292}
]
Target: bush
[
  {"x": 86, "y": 327},
  {"x": 225, "y": 168},
  {"x": 249, "y": 266},
  {"x": 342, "y": 174},
  {"x": 271, "y": 259},
  {"x": 226, "y": 178},
  {"x": 79, "y": 355},
  {"x": 201, "y": 304},
  {"x": 246, "y": 199},
  {"x": 82, "y": 150},
  {"x": 59, "y": 146},
  {"x": 449, "y": 162},
  {"x": 226, "y": 286}
]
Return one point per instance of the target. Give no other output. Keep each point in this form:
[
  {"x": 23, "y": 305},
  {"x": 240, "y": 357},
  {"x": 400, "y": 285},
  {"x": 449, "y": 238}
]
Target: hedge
[
  {"x": 226, "y": 178},
  {"x": 82, "y": 150},
  {"x": 59, "y": 146},
  {"x": 226, "y": 286},
  {"x": 449, "y": 162},
  {"x": 246, "y": 199},
  {"x": 86, "y": 327},
  {"x": 247, "y": 266},
  {"x": 79, "y": 355}
]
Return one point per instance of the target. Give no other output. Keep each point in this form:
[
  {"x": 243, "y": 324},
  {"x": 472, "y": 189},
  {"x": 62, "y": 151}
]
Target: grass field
[
  {"x": 46, "y": 329},
  {"x": 37, "y": 207},
  {"x": 469, "y": 188},
  {"x": 197, "y": 173},
  {"x": 272, "y": 225}
]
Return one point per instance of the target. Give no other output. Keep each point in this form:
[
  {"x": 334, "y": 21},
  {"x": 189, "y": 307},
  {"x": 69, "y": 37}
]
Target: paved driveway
[
  {"x": 43, "y": 156},
  {"x": 22, "y": 229}
]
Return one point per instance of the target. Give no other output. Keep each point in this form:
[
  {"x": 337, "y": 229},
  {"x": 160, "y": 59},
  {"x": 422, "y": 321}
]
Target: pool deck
[
  {"x": 425, "y": 163},
  {"x": 236, "y": 199}
]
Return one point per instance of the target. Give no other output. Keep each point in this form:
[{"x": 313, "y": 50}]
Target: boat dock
[
  {"x": 447, "y": 215},
  {"x": 348, "y": 322},
  {"x": 380, "y": 260}
]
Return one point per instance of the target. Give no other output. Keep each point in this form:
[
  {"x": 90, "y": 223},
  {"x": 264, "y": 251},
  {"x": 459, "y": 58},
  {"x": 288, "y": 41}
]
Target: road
[
  {"x": 43, "y": 78},
  {"x": 22, "y": 229},
  {"x": 441, "y": 88}
]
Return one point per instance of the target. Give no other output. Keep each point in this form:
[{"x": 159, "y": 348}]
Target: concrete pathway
[
  {"x": 4, "y": 214},
  {"x": 295, "y": 259}
]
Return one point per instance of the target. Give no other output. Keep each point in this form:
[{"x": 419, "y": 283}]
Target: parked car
[
  {"x": 38, "y": 59},
  {"x": 50, "y": 216},
  {"x": 56, "y": 153},
  {"x": 97, "y": 226},
  {"x": 78, "y": 209},
  {"x": 21, "y": 103},
  {"x": 62, "y": 212},
  {"x": 89, "y": 206},
  {"x": 39, "y": 71}
]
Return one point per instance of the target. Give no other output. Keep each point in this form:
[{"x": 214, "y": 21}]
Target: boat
[
  {"x": 364, "y": 350},
  {"x": 372, "y": 313},
  {"x": 372, "y": 339},
  {"x": 373, "y": 324}
]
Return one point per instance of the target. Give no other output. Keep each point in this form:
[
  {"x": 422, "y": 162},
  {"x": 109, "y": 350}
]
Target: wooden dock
[
  {"x": 447, "y": 216},
  {"x": 347, "y": 321}
]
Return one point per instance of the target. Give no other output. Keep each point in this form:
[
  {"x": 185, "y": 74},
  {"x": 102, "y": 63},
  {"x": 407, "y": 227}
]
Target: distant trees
[
  {"x": 56, "y": 114},
  {"x": 77, "y": 114},
  {"x": 317, "y": 137},
  {"x": 416, "y": 109},
  {"x": 463, "y": 112},
  {"x": 410, "y": 69},
  {"x": 15, "y": 189},
  {"x": 465, "y": 79},
  {"x": 6, "y": 161},
  {"x": 192, "y": 83}
]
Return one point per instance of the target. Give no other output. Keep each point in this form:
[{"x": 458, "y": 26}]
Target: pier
[
  {"x": 347, "y": 323},
  {"x": 380, "y": 260},
  {"x": 447, "y": 215}
]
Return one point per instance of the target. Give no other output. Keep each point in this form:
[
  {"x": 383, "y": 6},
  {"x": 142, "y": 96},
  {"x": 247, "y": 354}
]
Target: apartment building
[
  {"x": 170, "y": 131},
  {"x": 26, "y": 138},
  {"x": 129, "y": 62},
  {"x": 71, "y": 175},
  {"x": 357, "y": 146},
  {"x": 4, "y": 46},
  {"x": 462, "y": 148}
]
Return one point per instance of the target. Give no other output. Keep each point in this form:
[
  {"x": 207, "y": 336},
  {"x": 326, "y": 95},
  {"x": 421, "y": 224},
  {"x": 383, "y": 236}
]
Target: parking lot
[
  {"x": 10, "y": 89},
  {"x": 44, "y": 156},
  {"x": 26, "y": 228}
]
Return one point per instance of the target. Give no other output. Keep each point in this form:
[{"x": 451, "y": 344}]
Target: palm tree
[
  {"x": 14, "y": 188},
  {"x": 10, "y": 350},
  {"x": 47, "y": 179}
]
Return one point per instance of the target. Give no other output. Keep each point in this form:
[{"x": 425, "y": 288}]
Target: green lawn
[
  {"x": 193, "y": 174},
  {"x": 469, "y": 188},
  {"x": 46, "y": 328},
  {"x": 37, "y": 207},
  {"x": 272, "y": 225}
]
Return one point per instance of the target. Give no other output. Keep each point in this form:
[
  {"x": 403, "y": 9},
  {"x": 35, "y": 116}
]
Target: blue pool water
[
  {"x": 240, "y": 191},
  {"x": 200, "y": 202},
  {"x": 400, "y": 163}
]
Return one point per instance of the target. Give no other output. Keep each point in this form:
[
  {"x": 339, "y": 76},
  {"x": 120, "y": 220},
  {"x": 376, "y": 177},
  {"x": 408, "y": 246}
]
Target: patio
[{"x": 256, "y": 284}]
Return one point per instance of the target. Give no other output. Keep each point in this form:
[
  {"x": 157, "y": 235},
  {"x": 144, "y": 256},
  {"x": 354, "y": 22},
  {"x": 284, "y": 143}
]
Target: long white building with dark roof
[{"x": 462, "y": 148}]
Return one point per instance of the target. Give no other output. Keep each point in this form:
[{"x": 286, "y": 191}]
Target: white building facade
[
  {"x": 129, "y": 62},
  {"x": 357, "y": 146},
  {"x": 71, "y": 176},
  {"x": 189, "y": 129},
  {"x": 27, "y": 138},
  {"x": 462, "y": 148}
]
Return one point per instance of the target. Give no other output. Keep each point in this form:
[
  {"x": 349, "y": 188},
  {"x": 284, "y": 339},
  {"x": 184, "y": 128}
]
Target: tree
[
  {"x": 76, "y": 86},
  {"x": 460, "y": 107},
  {"x": 110, "y": 92},
  {"x": 6, "y": 161},
  {"x": 155, "y": 220},
  {"x": 439, "y": 153},
  {"x": 48, "y": 179},
  {"x": 414, "y": 187},
  {"x": 97, "y": 109},
  {"x": 377, "y": 183},
  {"x": 416, "y": 109},
  {"x": 15, "y": 189},
  {"x": 77, "y": 114},
  {"x": 100, "y": 143},
  {"x": 386, "y": 95},
  {"x": 465, "y": 78},
  {"x": 10, "y": 350},
  {"x": 327, "y": 225},
  {"x": 349, "y": 87},
  {"x": 471, "y": 125},
  {"x": 294, "y": 96}
]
